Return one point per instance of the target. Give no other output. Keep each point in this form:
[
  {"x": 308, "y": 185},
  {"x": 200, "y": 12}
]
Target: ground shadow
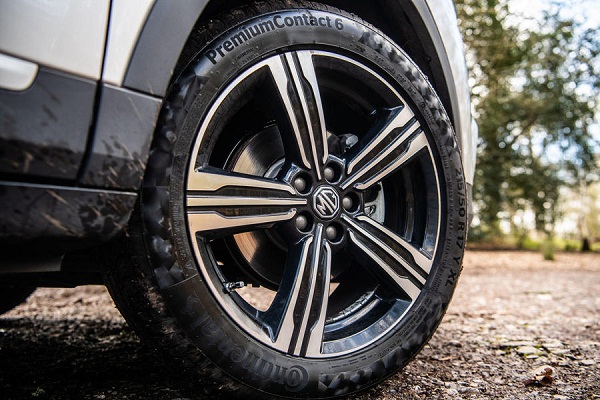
[{"x": 86, "y": 359}]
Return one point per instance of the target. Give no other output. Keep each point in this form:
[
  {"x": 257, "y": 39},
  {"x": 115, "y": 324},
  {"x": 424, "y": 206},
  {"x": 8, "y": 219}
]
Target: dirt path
[{"x": 511, "y": 314}]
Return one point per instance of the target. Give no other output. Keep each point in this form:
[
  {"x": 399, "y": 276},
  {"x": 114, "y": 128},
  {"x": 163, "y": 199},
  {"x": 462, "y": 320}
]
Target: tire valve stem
[
  {"x": 231, "y": 286},
  {"x": 370, "y": 210}
]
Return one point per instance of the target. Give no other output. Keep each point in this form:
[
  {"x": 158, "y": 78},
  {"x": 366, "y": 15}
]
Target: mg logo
[{"x": 326, "y": 202}]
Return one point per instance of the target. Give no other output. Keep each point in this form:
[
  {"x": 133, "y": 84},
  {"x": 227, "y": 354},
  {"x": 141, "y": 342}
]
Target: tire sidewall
[{"x": 172, "y": 258}]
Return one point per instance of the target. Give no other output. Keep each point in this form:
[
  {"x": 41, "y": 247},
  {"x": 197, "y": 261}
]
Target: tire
[
  {"x": 303, "y": 213},
  {"x": 13, "y": 295}
]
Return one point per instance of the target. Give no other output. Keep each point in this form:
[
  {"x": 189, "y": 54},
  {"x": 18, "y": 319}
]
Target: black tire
[
  {"x": 13, "y": 295},
  {"x": 303, "y": 152}
]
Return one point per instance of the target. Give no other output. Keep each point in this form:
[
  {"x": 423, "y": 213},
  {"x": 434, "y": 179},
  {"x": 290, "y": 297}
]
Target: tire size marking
[
  {"x": 274, "y": 23},
  {"x": 462, "y": 209},
  {"x": 461, "y": 229},
  {"x": 451, "y": 280}
]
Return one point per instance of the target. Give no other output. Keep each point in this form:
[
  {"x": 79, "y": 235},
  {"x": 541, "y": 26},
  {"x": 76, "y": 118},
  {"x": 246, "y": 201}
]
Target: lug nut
[
  {"x": 301, "y": 222},
  {"x": 347, "y": 203},
  {"x": 331, "y": 233},
  {"x": 300, "y": 184},
  {"x": 329, "y": 173}
]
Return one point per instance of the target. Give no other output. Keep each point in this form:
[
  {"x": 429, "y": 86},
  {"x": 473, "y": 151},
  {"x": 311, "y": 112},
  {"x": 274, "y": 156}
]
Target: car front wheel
[{"x": 304, "y": 207}]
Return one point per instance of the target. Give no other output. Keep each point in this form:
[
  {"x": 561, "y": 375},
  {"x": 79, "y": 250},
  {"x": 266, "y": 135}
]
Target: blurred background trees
[{"x": 536, "y": 91}]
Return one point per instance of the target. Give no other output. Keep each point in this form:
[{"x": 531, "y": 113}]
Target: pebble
[
  {"x": 552, "y": 344},
  {"x": 527, "y": 350},
  {"x": 516, "y": 343},
  {"x": 563, "y": 364},
  {"x": 587, "y": 362}
]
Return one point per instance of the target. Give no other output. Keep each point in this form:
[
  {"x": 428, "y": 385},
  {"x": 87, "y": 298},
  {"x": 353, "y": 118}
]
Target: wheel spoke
[
  {"x": 392, "y": 255},
  {"x": 222, "y": 202},
  {"x": 304, "y": 127},
  {"x": 296, "y": 318},
  {"x": 393, "y": 140}
]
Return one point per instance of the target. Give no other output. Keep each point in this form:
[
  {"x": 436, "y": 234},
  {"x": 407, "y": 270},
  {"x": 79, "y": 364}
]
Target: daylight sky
[{"x": 585, "y": 11}]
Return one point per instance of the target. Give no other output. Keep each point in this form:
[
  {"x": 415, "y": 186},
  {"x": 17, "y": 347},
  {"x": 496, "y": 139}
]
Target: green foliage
[
  {"x": 535, "y": 91},
  {"x": 531, "y": 244},
  {"x": 528, "y": 243},
  {"x": 548, "y": 250},
  {"x": 39, "y": 392},
  {"x": 571, "y": 246}
]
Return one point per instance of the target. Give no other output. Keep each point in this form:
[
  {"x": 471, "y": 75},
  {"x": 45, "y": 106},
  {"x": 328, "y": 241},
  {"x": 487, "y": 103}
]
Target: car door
[{"x": 51, "y": 55}]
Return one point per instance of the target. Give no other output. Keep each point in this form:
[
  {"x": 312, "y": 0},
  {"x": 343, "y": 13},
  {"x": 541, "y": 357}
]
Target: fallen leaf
[{"x": 541, "y": 376}]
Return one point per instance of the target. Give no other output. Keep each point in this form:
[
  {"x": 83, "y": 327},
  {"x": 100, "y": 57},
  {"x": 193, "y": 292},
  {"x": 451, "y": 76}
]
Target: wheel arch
[{"x": 427, "y": 33}]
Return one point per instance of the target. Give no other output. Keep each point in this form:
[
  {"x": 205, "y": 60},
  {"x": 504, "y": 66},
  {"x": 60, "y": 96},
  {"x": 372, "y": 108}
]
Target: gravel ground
[{"x": 518, "y": 328}]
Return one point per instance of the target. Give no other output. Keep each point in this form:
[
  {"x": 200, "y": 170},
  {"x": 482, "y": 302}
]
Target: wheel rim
[{"x": 312, "y": 177}]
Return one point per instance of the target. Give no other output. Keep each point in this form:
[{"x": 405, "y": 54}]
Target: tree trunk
[{"x": 585, "y": 245}]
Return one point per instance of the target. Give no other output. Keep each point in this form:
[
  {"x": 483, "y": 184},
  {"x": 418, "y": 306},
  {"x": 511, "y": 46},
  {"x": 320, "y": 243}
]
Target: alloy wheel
[{"x": 313, "y": 203}]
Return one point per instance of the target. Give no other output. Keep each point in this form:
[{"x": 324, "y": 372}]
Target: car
[{"x": 278, "y": 187}]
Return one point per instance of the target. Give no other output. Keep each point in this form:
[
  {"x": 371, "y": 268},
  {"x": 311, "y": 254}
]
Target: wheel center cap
[{"x": 326, "y": 202}]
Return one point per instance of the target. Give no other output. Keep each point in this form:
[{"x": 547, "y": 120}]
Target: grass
[{"x": 544, "y": 246}]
